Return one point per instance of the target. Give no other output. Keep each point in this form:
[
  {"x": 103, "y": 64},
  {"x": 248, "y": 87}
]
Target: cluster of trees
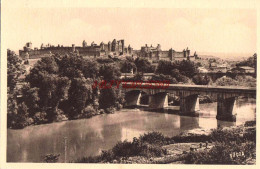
[
  {"x": 60, "y": 88},
  {"x": 176, "y": 72},
  {"x": 243, "y": 80},
  {"x": 251, "y": 62}
]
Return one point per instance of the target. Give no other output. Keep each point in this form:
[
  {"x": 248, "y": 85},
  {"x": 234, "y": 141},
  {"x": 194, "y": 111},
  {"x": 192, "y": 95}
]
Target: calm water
[{"x": 88, "y": 137}]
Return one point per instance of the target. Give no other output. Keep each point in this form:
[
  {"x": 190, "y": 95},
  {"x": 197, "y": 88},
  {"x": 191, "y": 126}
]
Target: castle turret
[
  {"x": 158, "y": 47},
  {"x": 171, "y": 54},
  {"x": 102, "y": 46},
  {"x": 84, "y": 44},
  {"x": 114, "y": 45},
  {"x": 42, "y": 46},
  {"x": 129, "y": 49},
  {"x": 123, "y": 45},
  {"x": 26, "y": 56},
  {"x": 109, "y": 46},
  {"x": 195, "y": 55},
  {"x": 187, "y": 52},
  {"x": 29, "y": 45},
  {"x": 73, "y": 48}
]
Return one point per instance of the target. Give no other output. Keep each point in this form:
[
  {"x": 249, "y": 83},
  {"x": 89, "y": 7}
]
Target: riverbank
[{"x": 229, "y": 145}]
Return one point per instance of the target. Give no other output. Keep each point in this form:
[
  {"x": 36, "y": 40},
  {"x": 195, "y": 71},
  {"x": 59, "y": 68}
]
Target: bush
[
  {"x": 226, "y": 81},
  {"x": 162, "y": 77},
  {"x": 250, "y": 123},
  {"x": 110, "y": 110},
  {"x": 153, "y": 138},
  {"x": 137, "y": 148},
  {"x": 222, "y": 153},
  {"x": 51, "y": 158},
  {"x": 247, "y": 81},
  {"x": 201, "y": 80},
  {"x": 89, "y": 111},
  {"x": 123, "y": 149},
  {"x": 221, "y": 135},
  {"x": 40, "y": 118}
]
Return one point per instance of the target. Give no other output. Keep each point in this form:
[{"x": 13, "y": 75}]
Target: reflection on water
[{"x": 88, "y": 137}]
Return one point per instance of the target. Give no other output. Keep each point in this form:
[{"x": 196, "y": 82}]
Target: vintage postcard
[{"x": 128, "y": 82}]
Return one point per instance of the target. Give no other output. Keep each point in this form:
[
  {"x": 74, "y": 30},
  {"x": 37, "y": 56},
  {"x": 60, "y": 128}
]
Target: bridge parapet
[{"x": 189, "y": 102}]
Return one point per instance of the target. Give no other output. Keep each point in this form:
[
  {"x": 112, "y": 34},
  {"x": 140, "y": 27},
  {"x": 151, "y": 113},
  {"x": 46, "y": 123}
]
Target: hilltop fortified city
[{"x": 114, "y": 48}]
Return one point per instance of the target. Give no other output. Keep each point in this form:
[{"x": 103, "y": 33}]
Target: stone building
[
  {"x": 156, "y": 53},
  {"x": 115, "y": 48}
]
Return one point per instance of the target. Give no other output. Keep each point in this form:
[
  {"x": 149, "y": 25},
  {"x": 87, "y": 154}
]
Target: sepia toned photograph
[{"x": 130, "y": 85}]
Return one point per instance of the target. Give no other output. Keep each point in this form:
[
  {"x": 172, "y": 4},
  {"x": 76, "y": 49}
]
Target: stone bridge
[{"x": 188, "y": 94}]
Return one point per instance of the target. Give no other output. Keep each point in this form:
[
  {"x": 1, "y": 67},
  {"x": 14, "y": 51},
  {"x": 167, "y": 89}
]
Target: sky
[{"x": 202, "y": 30}]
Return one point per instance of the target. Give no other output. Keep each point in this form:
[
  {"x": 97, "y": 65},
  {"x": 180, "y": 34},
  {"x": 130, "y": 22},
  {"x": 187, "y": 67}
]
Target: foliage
[
  {"x": 251, "y": 62},
  {"x": 179, "y": 70},
  {"x": 162, "y": 77},
  {"x": 89, "y": 111},
  {"x": 153, "y": 138},
  {"x": 31, "y": 98},
  {"x": 109, "y": 72},
  {"x": 143, "y": 65},
  {"x": 165, "y": 67},
  {"x": 79, "y": 93},
  {"x": 175, "y": 73},
  {"x": 226, "y": 81},
  {"x": 187, "y": 68},
  {"x": 247, "y": 81},
  {"x": 14, "y": 70},
  {"x": 60, "y": 87},
  {"x": 40, "y": 118},
  {"x": 51, "y": 158},
  {"x": 201, "y": 80},
  {"x": 227, "y": 144},
  {"x": 221, "y": 153},
  {"x": 114, "y": 95},
  {"x": 127, "y": 65},
  {"x": 124, "y": 149}
]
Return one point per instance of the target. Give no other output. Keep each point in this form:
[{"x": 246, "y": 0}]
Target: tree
[
  {"x": 14, "y": 70},
  {"x": 226, "y": 81},
  {"x": 163, "y": 78},
  {"x": 175, "y": 73},
  {"x": 251, "y": 62},
  {"x": 127, "y": 65},
  {"x": 31, "y": 98},
  {"x": 79, "y": 94},
  {"x": 187, "y": 68},
  {"x": 201, "y": 80},
  {"x": 109, "y": 72},
  {"x": 143, "y": 65},
  {"x": 165, "y": 67},
  {"x": 77, "y": 66},
  {"x": 104, "y": 102},
  {"x": 46, "y": 65}
]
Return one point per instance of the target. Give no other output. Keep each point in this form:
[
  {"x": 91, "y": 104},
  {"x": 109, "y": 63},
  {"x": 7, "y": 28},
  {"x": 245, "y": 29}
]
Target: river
[{"x": 88, "y": 137}]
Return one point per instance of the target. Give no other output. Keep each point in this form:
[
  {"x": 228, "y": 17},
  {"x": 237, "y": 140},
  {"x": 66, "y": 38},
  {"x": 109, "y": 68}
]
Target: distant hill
[
  {"x": 226, "y": 56},
  {"x": 208, "y": 56}
]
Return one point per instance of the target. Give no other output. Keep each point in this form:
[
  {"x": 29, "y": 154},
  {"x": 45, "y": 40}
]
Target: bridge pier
[
  {"x": 158, "y": 101},
  {"x": 225, "y": 109},
  {"x": 133, "y": 98},
  {"x": 189, "y": 105}
]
